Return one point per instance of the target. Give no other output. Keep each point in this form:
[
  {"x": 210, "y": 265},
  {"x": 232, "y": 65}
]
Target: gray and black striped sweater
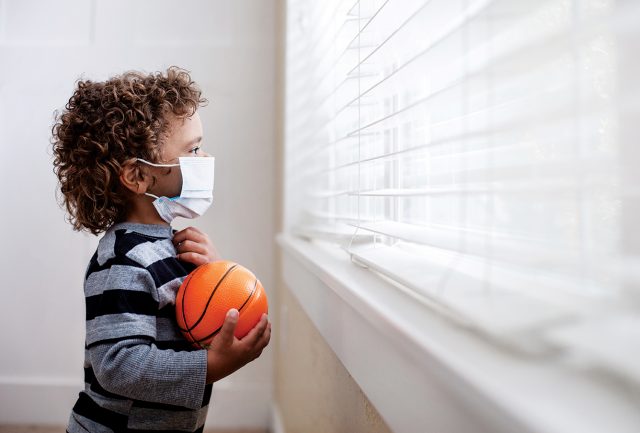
[{"x": 140, "y": 373}]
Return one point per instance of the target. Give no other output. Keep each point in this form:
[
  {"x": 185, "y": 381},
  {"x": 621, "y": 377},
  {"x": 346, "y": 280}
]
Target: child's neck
[{"x": 141, "y": 210}]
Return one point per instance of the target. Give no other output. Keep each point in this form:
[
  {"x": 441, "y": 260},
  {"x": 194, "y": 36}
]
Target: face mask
[{"x": 197, "y": 189}]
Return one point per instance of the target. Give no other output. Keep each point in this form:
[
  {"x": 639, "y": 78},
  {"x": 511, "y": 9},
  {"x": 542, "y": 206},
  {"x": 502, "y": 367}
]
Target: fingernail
[{"x": 233, "y": 313}]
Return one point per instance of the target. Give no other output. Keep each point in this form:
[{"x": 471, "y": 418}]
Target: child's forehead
[
  {"x": 182, "y": 133},
  {"x": 178, "y": 123},
  {"x": 186, "y": 126}
]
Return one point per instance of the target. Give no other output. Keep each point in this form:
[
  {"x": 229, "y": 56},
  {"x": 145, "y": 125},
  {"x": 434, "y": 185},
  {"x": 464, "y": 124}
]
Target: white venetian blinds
[{"x": 479, "y": 153}]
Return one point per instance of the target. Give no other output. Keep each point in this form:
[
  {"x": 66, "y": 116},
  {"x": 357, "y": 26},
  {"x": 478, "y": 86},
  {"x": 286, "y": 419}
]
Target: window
[{"x": 479, "y": 153}]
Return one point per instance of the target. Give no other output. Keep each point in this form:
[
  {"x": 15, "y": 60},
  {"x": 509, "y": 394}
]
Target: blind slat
[
  {"x": 506, "y": 247},
  {"x": 474, "y": 152},
  {"x": 497, "y": 310}
]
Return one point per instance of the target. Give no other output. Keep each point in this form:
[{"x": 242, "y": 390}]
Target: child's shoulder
[
  {"x": 130, "y": 254},
  {"x": 143, "y": 244}
]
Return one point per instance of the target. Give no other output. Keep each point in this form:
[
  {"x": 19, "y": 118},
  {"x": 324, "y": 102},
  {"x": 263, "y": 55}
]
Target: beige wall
[{"x": 313, "y": 390}]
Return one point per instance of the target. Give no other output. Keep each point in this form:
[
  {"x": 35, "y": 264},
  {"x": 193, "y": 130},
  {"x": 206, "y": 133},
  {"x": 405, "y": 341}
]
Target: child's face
[{"x": 185, "y": 136}]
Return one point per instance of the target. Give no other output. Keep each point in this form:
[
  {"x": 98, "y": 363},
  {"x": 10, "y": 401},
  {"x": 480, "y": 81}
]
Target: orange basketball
[{"x": 209, "y": 292}]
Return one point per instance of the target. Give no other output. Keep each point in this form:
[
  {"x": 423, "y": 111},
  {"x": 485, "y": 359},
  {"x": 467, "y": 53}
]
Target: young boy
[{"x": 128, "y": 158}]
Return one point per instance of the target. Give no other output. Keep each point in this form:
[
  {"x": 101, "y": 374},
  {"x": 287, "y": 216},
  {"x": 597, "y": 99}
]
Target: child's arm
[
  {"x": 136, "y": 368},
  {"x": 227, "y": 354}
]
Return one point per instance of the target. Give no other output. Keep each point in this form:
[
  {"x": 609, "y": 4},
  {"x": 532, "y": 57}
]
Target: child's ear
[{"x": 133, "y": 177}]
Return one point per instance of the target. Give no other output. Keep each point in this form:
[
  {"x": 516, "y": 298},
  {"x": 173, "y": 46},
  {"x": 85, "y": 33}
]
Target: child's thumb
[{"x": 229, "y": 325}]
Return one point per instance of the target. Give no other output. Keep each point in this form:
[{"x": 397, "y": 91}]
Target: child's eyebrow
[{"x": 194, "y": 141}]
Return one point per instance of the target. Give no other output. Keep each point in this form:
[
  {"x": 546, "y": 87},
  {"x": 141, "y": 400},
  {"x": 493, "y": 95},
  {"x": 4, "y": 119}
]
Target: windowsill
[{"x": 422, "y": 371}]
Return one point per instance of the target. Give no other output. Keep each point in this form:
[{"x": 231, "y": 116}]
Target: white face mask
[{"x": 197, "y": 189}]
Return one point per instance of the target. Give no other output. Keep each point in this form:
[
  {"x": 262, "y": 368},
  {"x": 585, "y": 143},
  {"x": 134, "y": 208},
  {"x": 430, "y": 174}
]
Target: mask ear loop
[{"x": 158, "y": 165}]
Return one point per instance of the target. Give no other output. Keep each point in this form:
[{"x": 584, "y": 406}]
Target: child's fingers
[
  {"x": 191, "y": 247},
  {"x": 195, "y": 258},
  {"x": 264, "y": 340},
  {"x": 254, "y": 335},
  {"x": 190, "y": 233}
]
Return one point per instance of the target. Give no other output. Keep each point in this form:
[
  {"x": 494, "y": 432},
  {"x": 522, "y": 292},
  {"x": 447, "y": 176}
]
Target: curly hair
[{"x": 107, "y": 124}]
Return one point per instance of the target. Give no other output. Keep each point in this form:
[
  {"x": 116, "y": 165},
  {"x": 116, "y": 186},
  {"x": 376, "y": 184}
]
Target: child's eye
[{"x": 195, "y": 150}]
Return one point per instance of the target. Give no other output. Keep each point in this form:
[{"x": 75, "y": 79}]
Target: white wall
[{"x": 228, "y": 45}]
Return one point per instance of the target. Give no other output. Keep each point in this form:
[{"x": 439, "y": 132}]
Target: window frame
[{"x": 459, "y": 380}]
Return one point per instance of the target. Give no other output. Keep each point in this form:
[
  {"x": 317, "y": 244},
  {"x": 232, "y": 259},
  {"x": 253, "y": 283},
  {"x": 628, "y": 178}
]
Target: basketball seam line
[
  {"x": 239, "y": 309},
  {"x": 204, "y": 311}
]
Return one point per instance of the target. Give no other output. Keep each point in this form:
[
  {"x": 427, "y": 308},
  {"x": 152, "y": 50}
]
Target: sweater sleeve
[{"x": 137, "y": 369}]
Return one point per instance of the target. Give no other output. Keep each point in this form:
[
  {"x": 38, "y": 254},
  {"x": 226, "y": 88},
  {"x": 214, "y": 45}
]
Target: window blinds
[{"x": 480, "y": 154}]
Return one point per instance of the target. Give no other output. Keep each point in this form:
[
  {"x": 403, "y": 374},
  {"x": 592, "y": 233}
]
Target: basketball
[{"x": 209, "y": 292}]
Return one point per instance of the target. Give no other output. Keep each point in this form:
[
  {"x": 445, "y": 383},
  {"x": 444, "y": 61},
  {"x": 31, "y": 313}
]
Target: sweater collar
[{"x": 157, "y": 230}]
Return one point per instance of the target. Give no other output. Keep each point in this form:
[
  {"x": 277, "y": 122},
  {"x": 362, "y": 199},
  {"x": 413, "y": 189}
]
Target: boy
[{"x": 128, "y": 158}]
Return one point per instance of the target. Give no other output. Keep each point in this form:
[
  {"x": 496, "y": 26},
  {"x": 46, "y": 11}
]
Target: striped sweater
[{"x": 140, "y": 373}]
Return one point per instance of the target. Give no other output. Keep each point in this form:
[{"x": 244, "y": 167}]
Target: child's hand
[
  {"x": 194, "y": 246},
  {"x": 227, "y": 354}
]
